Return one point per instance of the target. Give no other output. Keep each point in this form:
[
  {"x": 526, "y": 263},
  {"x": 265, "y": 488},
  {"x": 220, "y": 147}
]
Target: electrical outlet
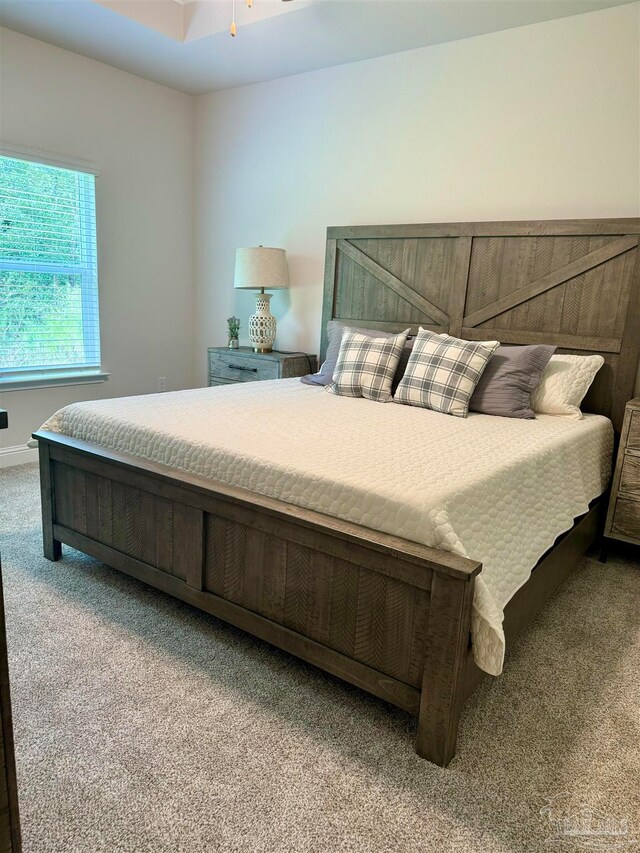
[{"x": 162, "y": 383}]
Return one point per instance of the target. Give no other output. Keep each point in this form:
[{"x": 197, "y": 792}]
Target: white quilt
[{"x": 498, "y": 490}]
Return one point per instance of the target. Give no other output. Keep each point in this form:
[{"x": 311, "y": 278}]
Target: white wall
[
  {"x": 536, "y": 122},
  {"x": 140, "y": 134}
]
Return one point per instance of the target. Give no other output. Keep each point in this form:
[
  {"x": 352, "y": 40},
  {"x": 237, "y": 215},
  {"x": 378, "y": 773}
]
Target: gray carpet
[{"x": 143, "y": 725}]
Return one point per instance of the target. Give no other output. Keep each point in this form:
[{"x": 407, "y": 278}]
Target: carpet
[{"x": 145, "y": 726}]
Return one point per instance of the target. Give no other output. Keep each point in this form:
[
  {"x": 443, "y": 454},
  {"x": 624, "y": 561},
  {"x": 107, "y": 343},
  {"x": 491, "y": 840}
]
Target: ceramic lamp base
[{"x": 262, "y": 325}]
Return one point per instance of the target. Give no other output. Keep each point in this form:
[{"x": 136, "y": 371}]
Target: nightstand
[
  {"x": 623, "y": 517},
  {"x": 244, "y": 365}
]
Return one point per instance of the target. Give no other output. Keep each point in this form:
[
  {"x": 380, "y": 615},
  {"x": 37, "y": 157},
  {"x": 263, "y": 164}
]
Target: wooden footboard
[{"x": 385, "y": 614}]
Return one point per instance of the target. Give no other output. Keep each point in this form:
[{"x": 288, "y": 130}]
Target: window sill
[{"x": 52, "y": 380}]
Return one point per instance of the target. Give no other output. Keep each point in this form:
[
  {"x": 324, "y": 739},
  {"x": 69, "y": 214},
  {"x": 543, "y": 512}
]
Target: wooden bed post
[
  {"x": 444, "y": 667},
  {"x": 52, "y": 547}
]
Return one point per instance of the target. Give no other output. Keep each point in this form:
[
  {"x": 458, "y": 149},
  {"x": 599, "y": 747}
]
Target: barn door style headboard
[{"x": 572, "y": 283}]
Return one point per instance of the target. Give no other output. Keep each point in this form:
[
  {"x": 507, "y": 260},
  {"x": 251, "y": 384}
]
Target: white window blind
[{"x": 49, "y": 322}]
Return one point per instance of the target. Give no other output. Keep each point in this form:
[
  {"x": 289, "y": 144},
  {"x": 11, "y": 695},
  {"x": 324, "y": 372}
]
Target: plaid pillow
[
  {"x": 443, "y": 372},
  {"x": 366, "y": 366}
]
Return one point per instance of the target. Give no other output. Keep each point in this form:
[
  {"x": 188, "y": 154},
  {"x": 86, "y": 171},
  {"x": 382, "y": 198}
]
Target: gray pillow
[
  {"x": 335, "y": 328},
  {"x": 512, "y": 374},
  {"x": 402, "y": 364}
]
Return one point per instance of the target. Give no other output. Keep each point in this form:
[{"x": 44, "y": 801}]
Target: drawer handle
[{"x": 238, "y": 367}]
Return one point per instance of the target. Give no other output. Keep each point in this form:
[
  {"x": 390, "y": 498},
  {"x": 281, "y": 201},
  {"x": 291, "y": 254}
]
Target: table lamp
[{"x": 256, "y": 269}]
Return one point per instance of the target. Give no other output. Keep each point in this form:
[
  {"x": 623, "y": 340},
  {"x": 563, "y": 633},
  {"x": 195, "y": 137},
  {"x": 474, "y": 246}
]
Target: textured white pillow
[{"x": 565, "y": 381}]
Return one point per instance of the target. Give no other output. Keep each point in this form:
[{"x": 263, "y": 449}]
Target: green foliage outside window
[{"x": 48, "y": 286}]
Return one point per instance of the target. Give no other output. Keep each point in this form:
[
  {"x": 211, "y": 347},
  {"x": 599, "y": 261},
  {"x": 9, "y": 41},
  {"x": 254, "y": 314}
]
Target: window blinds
[{"x": 48, "y": 270}]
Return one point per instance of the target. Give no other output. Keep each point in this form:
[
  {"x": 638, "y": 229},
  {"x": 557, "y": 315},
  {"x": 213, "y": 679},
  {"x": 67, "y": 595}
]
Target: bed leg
[
  {"x": 52, "y": 547},
  {"x": 444, "y": 668}
]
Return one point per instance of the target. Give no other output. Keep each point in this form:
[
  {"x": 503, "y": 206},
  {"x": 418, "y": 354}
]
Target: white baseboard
[{"x": 17, "y": 455}]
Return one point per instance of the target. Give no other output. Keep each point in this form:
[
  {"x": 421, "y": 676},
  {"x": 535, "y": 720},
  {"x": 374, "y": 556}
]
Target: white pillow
[{"x": 565, "y": 381}]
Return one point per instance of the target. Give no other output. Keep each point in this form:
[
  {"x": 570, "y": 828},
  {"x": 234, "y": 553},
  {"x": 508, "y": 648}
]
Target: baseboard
[{"x": 19, "y": 454}]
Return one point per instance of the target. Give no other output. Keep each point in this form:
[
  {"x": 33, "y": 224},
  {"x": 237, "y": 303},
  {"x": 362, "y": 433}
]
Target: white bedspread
[{"x": 498, "y": 490}]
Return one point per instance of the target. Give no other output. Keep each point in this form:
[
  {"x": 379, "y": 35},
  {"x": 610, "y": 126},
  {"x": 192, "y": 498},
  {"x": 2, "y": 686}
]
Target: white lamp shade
[{"x": 261, "y": 267}]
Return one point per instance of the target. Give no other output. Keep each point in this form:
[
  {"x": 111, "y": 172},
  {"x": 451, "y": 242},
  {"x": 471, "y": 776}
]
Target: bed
[{"x": 293, "y": 544}]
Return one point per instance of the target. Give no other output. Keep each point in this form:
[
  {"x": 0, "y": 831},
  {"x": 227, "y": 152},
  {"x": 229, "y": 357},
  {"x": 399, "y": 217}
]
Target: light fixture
[
  {"x": 256, "y": 268},
  {"x": 233, "y": 29}
]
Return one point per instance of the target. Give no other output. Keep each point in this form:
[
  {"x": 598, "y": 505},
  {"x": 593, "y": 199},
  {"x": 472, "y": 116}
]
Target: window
[{"x": 49, "y": 323}]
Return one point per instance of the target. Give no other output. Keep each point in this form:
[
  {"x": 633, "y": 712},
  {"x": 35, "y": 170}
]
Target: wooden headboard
[{"x": 572, "y": 283}]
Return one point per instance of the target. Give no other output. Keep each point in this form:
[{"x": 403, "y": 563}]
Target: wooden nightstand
[
  {"x": 244, "y": 365},
  {"x": 623, "y": 517}
]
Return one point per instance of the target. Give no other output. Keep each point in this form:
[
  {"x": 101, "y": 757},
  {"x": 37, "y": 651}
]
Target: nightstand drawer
[
  {"x": 244, "y": 365},
  {"x": 633, "y": 438},
  {"x": 630, "y": 478},
  {"x": 626, "y": 518},
  {"x": 240, "y": 368}
]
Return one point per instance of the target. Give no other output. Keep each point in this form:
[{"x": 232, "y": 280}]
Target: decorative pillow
[
  {"x": 443, "y": 372},
  {"x": 335, "y": 329},
  {"x": 565, "y": 381},
  {"x": 512, "y": 374},
  {"x": 366, "y": 366}
]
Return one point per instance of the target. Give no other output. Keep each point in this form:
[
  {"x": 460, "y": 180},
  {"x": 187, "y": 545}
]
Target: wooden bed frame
[{"x": 383, "y": 613}]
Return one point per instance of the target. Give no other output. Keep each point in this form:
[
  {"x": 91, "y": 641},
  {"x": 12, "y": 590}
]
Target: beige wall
[
  {"x": 536, "y": 122},
  {"x": 141, "y": 136}
]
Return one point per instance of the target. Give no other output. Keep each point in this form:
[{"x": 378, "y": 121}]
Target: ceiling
[{"x": 186, "y": 44}]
